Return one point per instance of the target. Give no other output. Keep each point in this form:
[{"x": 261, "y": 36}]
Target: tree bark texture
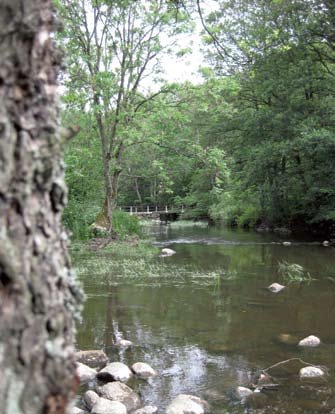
[{"x": 38, "y": 293}]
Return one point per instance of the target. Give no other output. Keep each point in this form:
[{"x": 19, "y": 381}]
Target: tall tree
[
  {"x": 113, "y": 47},
  {"x": 38, "y": 295}
]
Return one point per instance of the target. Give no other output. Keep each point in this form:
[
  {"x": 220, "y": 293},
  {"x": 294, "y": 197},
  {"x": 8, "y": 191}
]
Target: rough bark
[{"x": 38, "y": 294}]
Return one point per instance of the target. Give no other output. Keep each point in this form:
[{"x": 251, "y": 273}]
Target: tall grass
[{"x": 293, "y": 272}]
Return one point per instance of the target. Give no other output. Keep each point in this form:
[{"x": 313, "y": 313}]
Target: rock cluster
[{"x": 114, "y": 396}]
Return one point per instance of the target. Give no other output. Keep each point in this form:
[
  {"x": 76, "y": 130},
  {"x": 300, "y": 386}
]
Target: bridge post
[
  {"x": 148, "y": 209},
  {"x": 182, "y": 209},
  {"x": 166, "y": 209},
  {"x": 131, "y": 210},
  {"x": 156, "y": 209},
  {"x": 136, "y": 210}
]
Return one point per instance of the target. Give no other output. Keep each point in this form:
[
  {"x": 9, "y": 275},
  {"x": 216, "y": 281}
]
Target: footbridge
[{"x": 163, "y": 213}]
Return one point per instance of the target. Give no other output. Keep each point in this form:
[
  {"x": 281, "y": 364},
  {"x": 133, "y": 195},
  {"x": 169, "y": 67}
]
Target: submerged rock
[
  {"x": 92, "y": 358},
  {"x": 257, "y": 400},
  {"x": 117, "y": 391},
  {"x": 85, "y": 373},
  {"x": 310, "y": 341},
  {"x": 115, "y": 371},
  {"x": 104, "y": 406},
  {"x": 167, "y": 252},
  {"x": 148, "y": 409},
  {"x": 326, "y": 243},
  {"x": 90, "y": 398},
  {"x": 311, "y": 373},
  {"x": 143, "y": 370},
  {"x": 287, "y": 339},
  {"x": 243, "y": 392},
  {"x": 185, "y": 403},
  {"x": 276, "y": 287}
]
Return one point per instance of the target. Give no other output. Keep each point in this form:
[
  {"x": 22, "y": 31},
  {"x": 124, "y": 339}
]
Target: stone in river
[
  {"x": 148, "y": 409},
  {"x": 104, "y": 406},
  {"x": 167, "y": 252},
  {"x": 143, "y": 370},
  {"x": 189, "y": 404},
  {"x": 92, "y": 358},
  {"x": 243, "y": 392},
  {"x": 276, "y": 287},
  {"x": 117, "y": 391},
  {"x": 311, "y": 373},
  {"x": 115, "y": 371},
  {"x": 77, "y": 410},
  {"x": 123, "y": 343},
  {"x": 310, "y": 341},
  {"x": 90, "y": 398},
  {"x": 85, "y": 373}
]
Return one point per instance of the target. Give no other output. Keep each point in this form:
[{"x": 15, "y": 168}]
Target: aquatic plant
[{"x": 293, "y": 272}]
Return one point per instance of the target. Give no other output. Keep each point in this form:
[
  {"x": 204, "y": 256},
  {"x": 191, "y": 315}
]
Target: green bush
[{"x": 124, "y": 224}]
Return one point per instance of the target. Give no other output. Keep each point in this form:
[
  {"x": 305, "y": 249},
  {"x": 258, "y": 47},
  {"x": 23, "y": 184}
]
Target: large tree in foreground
[{"x": 38, "y": 296}]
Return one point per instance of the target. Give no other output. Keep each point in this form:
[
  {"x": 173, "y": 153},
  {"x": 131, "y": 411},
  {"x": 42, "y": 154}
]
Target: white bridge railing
[{"x": 149, "y": 209}]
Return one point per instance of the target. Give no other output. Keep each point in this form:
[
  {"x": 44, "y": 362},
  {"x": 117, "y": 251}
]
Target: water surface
[{"x": 206, "y": 336}]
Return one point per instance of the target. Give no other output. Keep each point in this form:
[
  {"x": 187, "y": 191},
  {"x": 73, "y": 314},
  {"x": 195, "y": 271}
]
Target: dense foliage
[{"x": 254, "y": 143}]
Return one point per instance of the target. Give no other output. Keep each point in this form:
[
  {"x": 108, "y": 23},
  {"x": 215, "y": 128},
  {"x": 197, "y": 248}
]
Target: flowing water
[{"x": 211, "y": 325}]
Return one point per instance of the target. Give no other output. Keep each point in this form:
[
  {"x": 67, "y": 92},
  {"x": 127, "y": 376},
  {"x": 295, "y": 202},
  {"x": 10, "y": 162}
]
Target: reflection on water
[{"x": 205, "y": 340}]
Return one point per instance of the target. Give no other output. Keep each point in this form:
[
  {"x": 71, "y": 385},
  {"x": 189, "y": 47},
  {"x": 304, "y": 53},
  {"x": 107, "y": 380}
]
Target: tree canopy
[{"x": 253, "y": 143}]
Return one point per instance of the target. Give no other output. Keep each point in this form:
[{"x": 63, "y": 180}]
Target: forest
[{"x": 251, "y": 144}]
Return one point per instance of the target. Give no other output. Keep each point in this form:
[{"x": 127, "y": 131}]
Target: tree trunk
[{"x": 38, "y": 294}]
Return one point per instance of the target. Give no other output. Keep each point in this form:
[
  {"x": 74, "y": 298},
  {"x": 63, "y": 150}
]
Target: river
[{"x": 209, "y": 324}]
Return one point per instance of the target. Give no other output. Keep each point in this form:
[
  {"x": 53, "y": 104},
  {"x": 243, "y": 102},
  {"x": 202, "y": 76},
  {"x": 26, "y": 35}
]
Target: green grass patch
[
  {"x": 137, "y": 263},
  {"x": 293, "y": 272}
]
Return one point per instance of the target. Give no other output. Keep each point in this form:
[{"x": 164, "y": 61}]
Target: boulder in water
[
  {"x": 104, "y": 406},
  {"x": 92, "y": 358},
  {"x": 117, "y": 391},
  {"x": 185, "y": 403},
  {"x": 77, "y": 410},
  {"x": 143, "y": 370},
  {"x": 148, "y": 409},
  {"x": 167, "y": 252},
  {"x": 85, "y": 373},
  {"x": 276, "y": 287},
  {"x": 311, "y": 373},
  {"x": 115, "y": 371},
  {"x": 310, "y": 341},
  {"x": 243, "y": 392},
  {"x": 123, "y": 343},
  {"x": 90, "y": 398}
]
